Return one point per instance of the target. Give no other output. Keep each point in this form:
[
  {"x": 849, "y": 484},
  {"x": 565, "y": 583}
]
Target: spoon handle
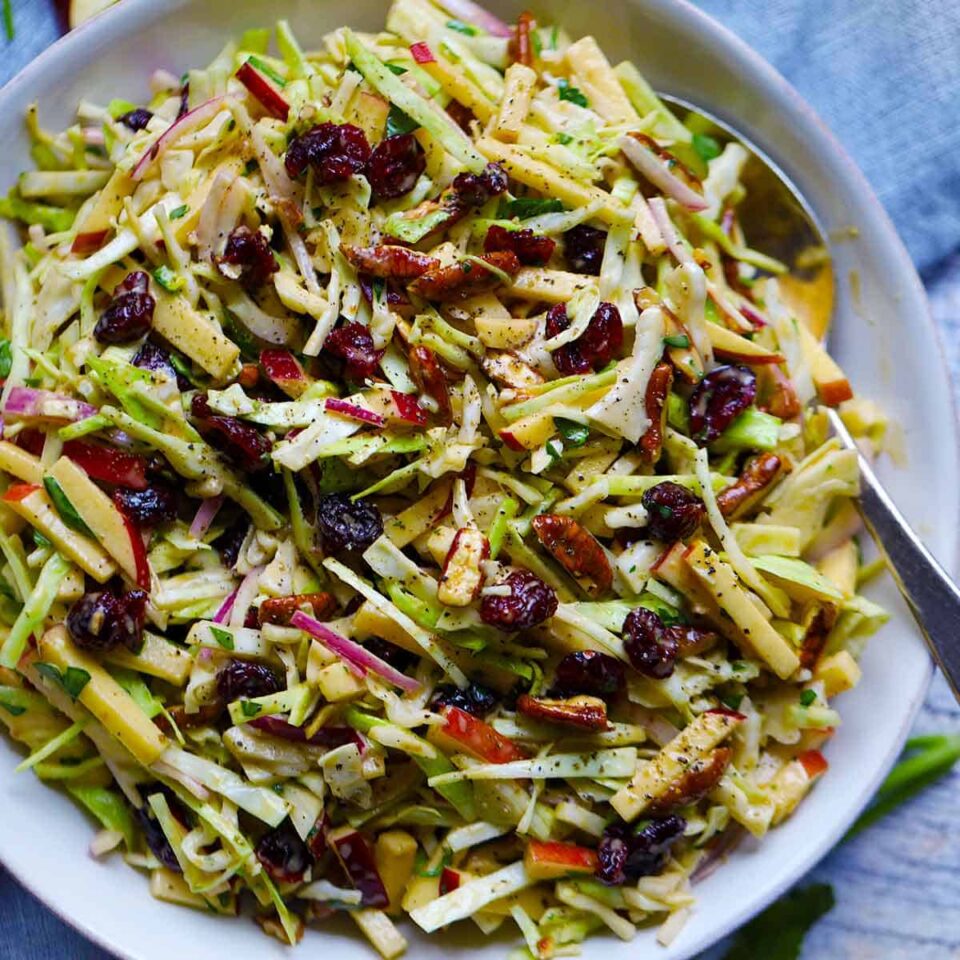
[{"x": 933, "y": 598}]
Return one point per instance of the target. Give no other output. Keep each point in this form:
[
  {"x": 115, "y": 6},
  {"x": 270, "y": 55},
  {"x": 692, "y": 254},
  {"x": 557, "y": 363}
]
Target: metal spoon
[{"x": 777, "y": 220}]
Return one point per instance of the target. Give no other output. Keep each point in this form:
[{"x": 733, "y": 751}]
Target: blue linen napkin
[{"x": 884, "y": 74}]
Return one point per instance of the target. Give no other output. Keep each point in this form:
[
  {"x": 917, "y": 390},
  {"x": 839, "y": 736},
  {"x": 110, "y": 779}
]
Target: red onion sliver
[
  {"x": 243, "y": 598},
  {"x": 352, "y": 653},
  {"x": 179, "y": 128},
  {"x": 470, "y": 12},
  {"x": 659, "y": 174},
  {"x": 205, "y": 516},
  {"x": 26, "y": 402},
  {"x": 223, "y": 614},
  {"x": 353, "y": 411},
  {"x": 726, "y": 307}
]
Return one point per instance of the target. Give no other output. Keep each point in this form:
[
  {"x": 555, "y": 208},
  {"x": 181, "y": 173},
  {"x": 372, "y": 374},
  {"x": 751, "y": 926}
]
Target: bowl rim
[{"x": 118, "y": 20}]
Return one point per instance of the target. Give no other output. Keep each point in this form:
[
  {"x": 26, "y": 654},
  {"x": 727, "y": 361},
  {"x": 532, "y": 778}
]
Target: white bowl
[{"x": 883, "y": 335}]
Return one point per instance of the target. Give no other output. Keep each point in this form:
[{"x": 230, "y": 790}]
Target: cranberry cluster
[{"x": 597, "y": 346}]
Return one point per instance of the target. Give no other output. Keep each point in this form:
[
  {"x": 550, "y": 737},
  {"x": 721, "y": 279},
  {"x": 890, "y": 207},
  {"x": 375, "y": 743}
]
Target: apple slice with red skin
[
  {"x": 356, "y": 856},
  {"x": 551, "y": 859},
  {"x": 283, "y": 369},
  {"x": 464, "y": 733},
  {"x": 137, "y": 546},
  {"x": 449, "y": 880},
  {"x": 260, "y": 88},
  {"x": 107, "y": 464},
  {"x": 814, "y": 763},
  {"x": 90, "y": 242}
]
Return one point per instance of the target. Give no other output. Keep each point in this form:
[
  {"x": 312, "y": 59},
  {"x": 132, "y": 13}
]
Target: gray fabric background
[{"x": 885, "y": 75}]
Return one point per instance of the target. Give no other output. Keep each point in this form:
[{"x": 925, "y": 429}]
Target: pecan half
[
  {"x": 820, "y": 624},
  {"x": 520, "y": 47},
  {"x": 462, "y": 280},
  {"x": 698, "y": 779},
  {"x": 777, "y": 394},
  {"x": 279, "y": 610},
  {"x": 759, "y": 473},
  {"x": 207, "y": 713},
  {"x": 692, "y": 641},
  {"x": 430, "y": 379},
  {"x": 655, "y": 400},
  {"x": 576, "y": 550},
  {"x": 389, "y": 262},
  {"x": 590, "y": 713}
]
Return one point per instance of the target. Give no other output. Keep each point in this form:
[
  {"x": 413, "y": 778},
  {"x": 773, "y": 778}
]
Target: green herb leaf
[
  {"x": 571, "y": 94},
  {"x": 40, "y": 540},
  {"x": 525, "y": 207},
  {"x": 706, "y": 147},
  {"x": 12, "y": 708},
  {"x": 182, "y": 367},
  {"x": 563, "y": 138},
  {"x": 778, "y": 932},
  {"x": 6, "y": 359},
  {"x": 575, "y": 434},
  {"x": 732, "y": 700},
  {"x": 72, "y": 680},
  {"x": 266, "y": 70},
  {"x": 394, "y": 68},
  {"x": 537, "y": 43},
  {"x": 555, "y": 454},
  {"x": 178, "y": 213},
  {"x": 680, "y": 340},
  {"x": 398, "y": 122},
  {"x": 223, "y": 637},
  {"x": 68, "y": 512},
  {"x": 422, "y": 870},
  {"x": 461, "y": 27},
  {"x": 249, "y": 708},
  {"x": 8, "y": 27},
  {"x": 168, "y": 279},
  {"x": 808, "y": 698}
]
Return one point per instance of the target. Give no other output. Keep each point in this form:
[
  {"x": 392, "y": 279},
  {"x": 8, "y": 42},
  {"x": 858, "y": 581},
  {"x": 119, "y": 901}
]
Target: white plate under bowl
[{"x": 883, "y": 336}]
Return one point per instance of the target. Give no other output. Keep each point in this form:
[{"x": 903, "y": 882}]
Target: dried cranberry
[
  {"x": 151, "y": 357},
  {"x": 583, "y": 249},
  {"x": 529, "y": 602},
  {"x": 599, "y": 343},
  {"x": 474, "y": 190},
  {"x": 395, "y": 166},
  {"x": 136, "y": 119},
  {"x": 531, "y": 248},
  {"x": 241, "y": 679},
  {"x": 396, "y": 656},
  {"x": 156, "y": 504},
  {"x": 462, "y": 116},
  {"x": 231, "y": 540},
  {"x": 346, "y": 524},
  {"x": 624, "y": 856},
  {"x": 105, "y": 620},
  {"x": 130, "y": 314},
  {"x": 240, "y": 442},
  {"x": 591, "y": 672},
  {"x": 476, "y": 699},
  {"x": 718, "y": 399},
  {"x": 335, "y": 152},
  {"x": 247, "y": 258},
  {"x": 673, "y": 512},
  {"x": 283, "y": 854},
  {"x": 353, "y": 344},
  {"x": 651, "y": 648}
]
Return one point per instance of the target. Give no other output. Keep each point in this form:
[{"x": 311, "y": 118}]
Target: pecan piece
[
  {"x": 576, "y": 549},
  {"x": 430, "y": 379},
  {"x": 777, "y": 393},
  {"x": 655, "y": 400},
  {"x": 207, "y": 713},
  {"x": 698, "y": 779},
  {"x": 279, "y": 610},
  {"x": 692, "y": 641},
  {"x": 520, "y": 47},
  {"x": 759, "y": 473},
  {"x": 462, "y": 280},
  {"x": 590, "y": 713},
  {"x": 819, "y": 624},
  {"x": 389, "y": 262}
]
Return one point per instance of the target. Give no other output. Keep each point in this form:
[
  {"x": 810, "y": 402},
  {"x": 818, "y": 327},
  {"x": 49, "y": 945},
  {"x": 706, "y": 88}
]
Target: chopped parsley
[
  {"x": 706, "y": 147},
  {"x": 680, "y": 340},
  {"x": 808, "y": 698},
  {"x": 72, "y": 680},
  {"x": 8, "y": 27},
  {"x": 525, "y": 207},
  {"x": 555, "y": 454},
  {"x": 575, "y": 434},
  {"x": 571, "y": 94},
  {"x": 249, "y": 708},
  {"x": 460, "y": 27},
  {"x": 6, "y": 359},
  {"x": 68, "y": 512},
  {"x": 563, "y": 138},
  {"x": 398, "y": 122},
  {"x": 178, "y": 213},
  {"x": 167, "y": 279},
  {"x": 223, "y": 637}
]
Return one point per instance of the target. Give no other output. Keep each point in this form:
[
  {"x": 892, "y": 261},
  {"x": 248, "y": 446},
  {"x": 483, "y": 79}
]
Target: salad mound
[{"x": 417, "y": 501}]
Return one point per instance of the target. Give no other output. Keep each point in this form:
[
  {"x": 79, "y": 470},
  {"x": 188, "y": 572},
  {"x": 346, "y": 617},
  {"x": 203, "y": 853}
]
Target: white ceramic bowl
[{"x": 883, "y": 336}]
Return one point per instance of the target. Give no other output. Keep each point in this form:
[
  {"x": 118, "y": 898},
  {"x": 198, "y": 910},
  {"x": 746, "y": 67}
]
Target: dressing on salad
[{"x": 416, "y": 499}]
